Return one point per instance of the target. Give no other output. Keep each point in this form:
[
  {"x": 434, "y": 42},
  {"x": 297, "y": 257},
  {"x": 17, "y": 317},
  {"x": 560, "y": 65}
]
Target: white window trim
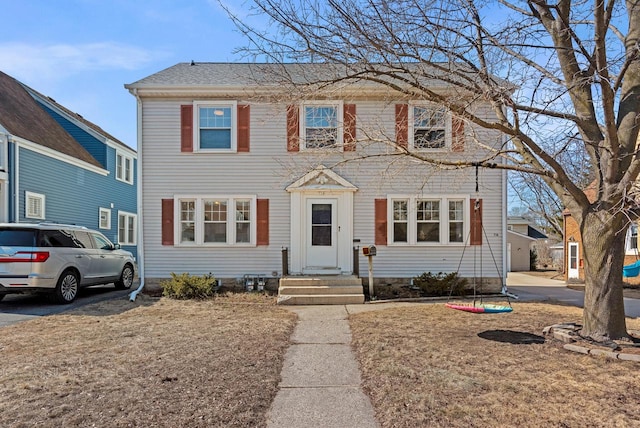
[
  {"x": 199, "y": 220},
  {"x": 339, "y": 105},
  {"x": 234, "y": 125},
  {"x": 135, "y": 228},
  {"x": 31, "y": 195},
  {"x": 447, "y": 127},
  {"x": 124, "y": 157},
  {"x": 412, "y": 219},
  {"x": 627, "y": 243},
  {"x": 107, "y": 211}
]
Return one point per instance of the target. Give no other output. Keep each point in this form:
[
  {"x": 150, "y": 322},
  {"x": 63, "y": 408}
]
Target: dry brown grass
[
  {"x": 155, "y": 362},
  {"x": 427, "y": 366}
]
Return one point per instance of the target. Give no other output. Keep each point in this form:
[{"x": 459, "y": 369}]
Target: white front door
[
  {"x": 321, "y": 234},
  {"x": 574, "y": 257}
]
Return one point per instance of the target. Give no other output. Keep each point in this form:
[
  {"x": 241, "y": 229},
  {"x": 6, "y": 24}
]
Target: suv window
[
  {"x": 17, "y": 237},
  {"x": 83, "y": 239},
  {"x": 102, "y": 242},
  {"x": 57, "y": 238}
]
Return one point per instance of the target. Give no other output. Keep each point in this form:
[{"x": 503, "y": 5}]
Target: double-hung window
[
  {"x": 215, "y": 126},
  {"x": 105, "y": 218},
  {"x": 126, "y": 228},
  {"x": 438, "y": 220},
  {"x": 216, "y": 220},
  {"x": 429, "y": 127},
  {"x": 124, "y": 167},
  {"x": 322, "y": 126}
]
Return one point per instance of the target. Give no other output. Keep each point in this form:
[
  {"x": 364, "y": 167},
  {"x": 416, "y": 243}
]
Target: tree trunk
[{"x": 603, "y": 246}]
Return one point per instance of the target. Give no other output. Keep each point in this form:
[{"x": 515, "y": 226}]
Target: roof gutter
[{"x": 134, "y": 293}]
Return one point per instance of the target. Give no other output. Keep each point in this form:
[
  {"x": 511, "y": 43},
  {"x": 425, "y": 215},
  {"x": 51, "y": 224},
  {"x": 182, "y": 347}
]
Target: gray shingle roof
[{"x": 256, "y": 74}]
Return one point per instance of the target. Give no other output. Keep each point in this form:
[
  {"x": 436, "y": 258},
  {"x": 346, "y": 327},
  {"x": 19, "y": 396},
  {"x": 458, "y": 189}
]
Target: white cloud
[{"x": 58, "y": 61}]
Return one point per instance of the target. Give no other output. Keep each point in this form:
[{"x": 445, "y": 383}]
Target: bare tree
[{"x": 559, "y": 75}]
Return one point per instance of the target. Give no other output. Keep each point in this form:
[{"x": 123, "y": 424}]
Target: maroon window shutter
[
  {"x": 262, "y": 215},
  {"x": 243, "y": 127},
  {"x": 402, "y": 125},
  {"x": 293, "y": 128},
  {"x": 457, "y": 134},
  {"x": 349, "y": 126},
  {"x": 167, "y": 222},
  {"x": 476, "y": 222},
  {"x": 381, "y": 221},
  {"x": 186, "y": 128}
]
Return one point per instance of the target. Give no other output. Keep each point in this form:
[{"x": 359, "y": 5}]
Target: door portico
[{"x": 321, "y": 223}]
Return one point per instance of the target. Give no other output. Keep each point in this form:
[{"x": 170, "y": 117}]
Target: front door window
[{"x": 321, "y": 225}]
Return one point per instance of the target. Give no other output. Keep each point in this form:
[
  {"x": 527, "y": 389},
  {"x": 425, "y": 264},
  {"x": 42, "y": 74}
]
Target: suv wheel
[
  {"x": 67, "y": 287},
  {"x": 126, "y": 278}
]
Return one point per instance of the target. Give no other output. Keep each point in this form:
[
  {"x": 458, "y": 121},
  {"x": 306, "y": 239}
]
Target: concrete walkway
[{"x": 321, "y": 384}]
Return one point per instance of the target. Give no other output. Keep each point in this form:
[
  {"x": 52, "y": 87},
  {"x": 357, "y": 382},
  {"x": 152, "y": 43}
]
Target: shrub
[
  {"x": 186, "y": 286},
  {"x": 441, "y": 284},
  {"x": 533, "y": 260}
]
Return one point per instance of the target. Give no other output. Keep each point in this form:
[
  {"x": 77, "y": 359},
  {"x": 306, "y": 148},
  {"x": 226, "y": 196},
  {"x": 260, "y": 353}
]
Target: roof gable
[{"x": 321, "y": 178}]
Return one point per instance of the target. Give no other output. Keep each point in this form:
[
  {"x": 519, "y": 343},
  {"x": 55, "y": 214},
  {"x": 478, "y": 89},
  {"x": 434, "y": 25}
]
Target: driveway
[
  {"x": 21, "y": 307},
  {"x": 529, "y": 287}
]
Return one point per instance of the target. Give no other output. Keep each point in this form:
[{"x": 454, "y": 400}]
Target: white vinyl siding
[
  {"x": 269, "y": 169},
  {"x": 34, "y": 205}
]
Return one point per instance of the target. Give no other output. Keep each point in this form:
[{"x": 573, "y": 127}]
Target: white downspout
[{"x": 134, "y": 293}]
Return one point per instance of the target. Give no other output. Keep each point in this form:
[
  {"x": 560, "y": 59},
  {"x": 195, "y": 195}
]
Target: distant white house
[{"x": 236, "y": 170}]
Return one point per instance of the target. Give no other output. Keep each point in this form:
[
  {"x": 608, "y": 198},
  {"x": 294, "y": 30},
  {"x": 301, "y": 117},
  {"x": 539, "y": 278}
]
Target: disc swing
[{"x": 478, "y": 306}]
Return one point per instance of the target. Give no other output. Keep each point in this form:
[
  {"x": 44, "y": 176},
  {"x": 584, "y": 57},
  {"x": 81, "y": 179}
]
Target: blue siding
[
  {"x": 74, "y": 195},
  {"x": 93, "y": 145}
]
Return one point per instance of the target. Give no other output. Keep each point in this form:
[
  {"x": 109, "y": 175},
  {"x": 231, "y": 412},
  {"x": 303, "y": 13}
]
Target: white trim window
[
  {"x": 430, "y": 127},
  {"x": 105, "y": 218},
  {"x": 215, "y": 220},
  {"x": 127, "y": 228},
  {"x": 432, "y": 220},
  {"x": 321, "y": 125},
  {"x": 34, "y": 204},
  {"x": 631, "y": 242},
  {"x": 215, "y": 128},
  {"x": 124, "y": 167}
]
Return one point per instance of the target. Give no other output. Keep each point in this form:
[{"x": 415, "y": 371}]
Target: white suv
[{"x": 59, "y": 259}]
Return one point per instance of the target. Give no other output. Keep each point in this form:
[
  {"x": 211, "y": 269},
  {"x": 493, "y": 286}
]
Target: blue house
[{"x": 55, "y": 166}]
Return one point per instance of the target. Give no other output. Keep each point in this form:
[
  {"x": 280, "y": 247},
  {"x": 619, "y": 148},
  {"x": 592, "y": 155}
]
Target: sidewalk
[{"x": 321, "y": 384}]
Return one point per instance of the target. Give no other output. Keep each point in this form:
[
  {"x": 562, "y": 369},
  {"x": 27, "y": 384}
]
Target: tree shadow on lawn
[{"x": 512, "y": 337}]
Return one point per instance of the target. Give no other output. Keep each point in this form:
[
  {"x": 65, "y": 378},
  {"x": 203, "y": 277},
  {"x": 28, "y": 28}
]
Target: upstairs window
[
  {"x": 124, "y": 167},
  {"x": 631, "y": 245},
  {"x": 321, "y": 128},
  {"x": 215, "y": 125},
  {"x": 429, "y": 127}
]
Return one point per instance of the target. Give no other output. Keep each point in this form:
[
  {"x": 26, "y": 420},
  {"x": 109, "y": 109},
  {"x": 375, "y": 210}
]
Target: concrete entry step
[
  {"x": 321, "y": 299},
  {"x": 320, "y": 290}
]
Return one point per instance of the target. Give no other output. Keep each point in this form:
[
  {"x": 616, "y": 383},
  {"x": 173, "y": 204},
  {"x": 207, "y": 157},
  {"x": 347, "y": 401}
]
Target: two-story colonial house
[
  {"x": 56, "y": 166},
  {"x": 241, "y": 178}
]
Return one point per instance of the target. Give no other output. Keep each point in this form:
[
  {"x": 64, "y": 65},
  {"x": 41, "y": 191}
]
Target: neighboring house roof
[
  {"x": 22, "y": 116},
  {"x": 512, "y": 232},
  {"x": 76, "y": 116},
  {"x": 522, "y": 221}
]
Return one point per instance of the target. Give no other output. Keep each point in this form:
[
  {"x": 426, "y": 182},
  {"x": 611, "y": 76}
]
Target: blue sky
[{"x": 82, "y": 52}]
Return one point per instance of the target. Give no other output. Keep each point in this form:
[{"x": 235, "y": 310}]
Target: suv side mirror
[{"x": 116, "y": 246}]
